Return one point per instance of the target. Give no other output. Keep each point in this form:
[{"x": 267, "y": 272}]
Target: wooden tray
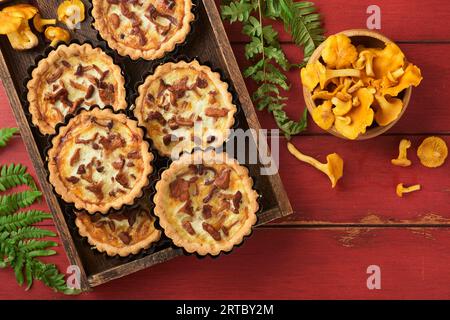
[{"x": 208, "y": 43}]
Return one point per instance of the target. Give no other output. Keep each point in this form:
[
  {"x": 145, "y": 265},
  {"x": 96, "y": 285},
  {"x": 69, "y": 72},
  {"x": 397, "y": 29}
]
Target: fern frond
[
  {"x": 238, "y": 10},
  {"x": 33, "y": 245},
  {"x": 5, "y": 135},
  {"x": 11, "y": 202},
  {"x": 22, "y": 219},
  {"x": 304, "y": 24},
  {"x": 30, "y": 233},
  {"x": 18, "y": 265},
  {"x": 15, "y": 175},
  {"x": 49, "y": 275}
]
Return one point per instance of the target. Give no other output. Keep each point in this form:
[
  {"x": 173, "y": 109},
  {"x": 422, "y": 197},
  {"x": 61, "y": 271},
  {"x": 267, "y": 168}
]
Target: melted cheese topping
[
  {"x": 74, "y": 82},
  {"x": 181, "y": 119},
  {"x": 118, "y": 232},
  {"x": 100, "y": 160},
  {"x": 145, "y": 24},
  {"x": 226, "y": 218}
]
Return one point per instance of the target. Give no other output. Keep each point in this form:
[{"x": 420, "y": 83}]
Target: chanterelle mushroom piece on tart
[
  {"x": 72, "y": 77},
  {"x": 121, "y": 233},
  {"x": 206, "y": 203},
  {"x": 99, "y": 160},
  {"x": 184, "y": 105},
  {"x": 145, "y": 29}
]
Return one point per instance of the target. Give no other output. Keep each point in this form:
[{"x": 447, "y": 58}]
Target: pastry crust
[
  {"x": 99, "y": 161},
  {"x": 72, "y": 77},
  {"x": 119, "y": 233},
  {"x": 184, "y": 105},
  {"x": 209, "y": 217},
  {"x": 148, "y": 29}
]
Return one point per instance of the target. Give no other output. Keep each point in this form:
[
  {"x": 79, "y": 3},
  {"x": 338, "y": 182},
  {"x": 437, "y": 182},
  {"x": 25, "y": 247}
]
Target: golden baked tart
[
  {"x": 73, "y": 77},
  {"x": 122, "y": 233},
  {"x": 184, "y": 105},
  {"x": 145, "y": 29},
  {"x": 99, "y": 160},
  {"x": 206, "y": 203}
]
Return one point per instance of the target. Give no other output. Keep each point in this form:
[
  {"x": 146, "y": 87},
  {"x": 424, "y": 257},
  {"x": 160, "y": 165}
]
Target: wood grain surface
[
  {"x": 324, "y": 249},
  {"x": 212, "y": 48}
]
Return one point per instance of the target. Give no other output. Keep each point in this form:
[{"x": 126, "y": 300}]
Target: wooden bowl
[{"x": 369, "y": 39}]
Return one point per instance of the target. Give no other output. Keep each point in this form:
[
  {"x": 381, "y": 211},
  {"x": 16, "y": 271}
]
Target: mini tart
[
  {"x": 145, "y": 29},
  {"x": 73, "y": 77},
  {"x": 120, "y": 234},
  {"x": 184, "y": 105},
  {"x": 205, "y": 202},
  {"x": 99, "y": 160}
]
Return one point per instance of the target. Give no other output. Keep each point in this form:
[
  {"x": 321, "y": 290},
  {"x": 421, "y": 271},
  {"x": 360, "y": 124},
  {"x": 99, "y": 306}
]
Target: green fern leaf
[
  {"x": 49, "y": 275},
  {"x": 252, "y": 28},
  {"x": 30, "y": 233},
  {"x": 5, "y": 135},
  {"x": 10, "y": 203},
  {"x": 288, "y": 126},
  {"x": 28, "y": 273},
  {"x": 15, "y": 175},
  {"x": 304, "y": 25},
  {"x": 22, "y": 219},
  {"x": 18, "y": 265},
  {"x": 32, "y": 245},
  {"x": 238, "y": 10}
]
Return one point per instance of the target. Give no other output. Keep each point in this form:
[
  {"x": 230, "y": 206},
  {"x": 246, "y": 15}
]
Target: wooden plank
[
  {"x": 315, "y": 264},
  {"x": 428, "y": 19},
  {"x": 427, "y": 112},
  {"x": 368, "y": 177},
  {"x": 368, "y": 185},
  {"x": 211, "y": 47}
]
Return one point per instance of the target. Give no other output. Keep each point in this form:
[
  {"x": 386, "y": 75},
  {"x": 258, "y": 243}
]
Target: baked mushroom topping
[
  {"x": 73, "y": 77},
  {"x": 197, "y": 212},
  {"x": 145, "y": 28},
  {"x": 119, "y": 233},
  {"x": 175, "y": 106},
  {"x": 87, "y": 160}
]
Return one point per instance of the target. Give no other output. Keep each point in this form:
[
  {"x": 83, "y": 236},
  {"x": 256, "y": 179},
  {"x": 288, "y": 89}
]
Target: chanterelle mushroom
[
  {"x": 411, "y": 77},
  {"x": 323, "y": 116},
  {"x": 432, "y": 152},
  {"x": 56, "y": 35},
  {"x": 71, "y": 12},
  {"x": 400, "y": 189},
  {"x": 15, "y": 26},
  {"x": 402, "y": 159},
  {"x": 316, "y": 73},
  {"x": 365, "y": 61},
  {"x": 387, "y": 60},
  {"x": 40, "y": 23},
  {"x": 388, "y": 110},
  {"x": 341, "y": 107},
  {"x": 338, "y": 52},
  {"x": 361, "y": 116},
  {"x": 333, "y": 168}
]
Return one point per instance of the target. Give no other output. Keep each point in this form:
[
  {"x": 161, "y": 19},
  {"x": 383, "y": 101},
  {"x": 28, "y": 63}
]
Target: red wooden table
[{"x": 324, "y": 249}]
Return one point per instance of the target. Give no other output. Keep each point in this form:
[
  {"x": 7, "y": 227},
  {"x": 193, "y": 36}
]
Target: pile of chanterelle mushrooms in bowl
[{"x": 357, "y": 84}]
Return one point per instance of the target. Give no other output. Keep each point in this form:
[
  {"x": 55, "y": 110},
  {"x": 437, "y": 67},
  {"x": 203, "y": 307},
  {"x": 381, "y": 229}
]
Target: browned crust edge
[
  {"x": 110, "y": 250},
  {"x": 101, "y": 24},
  {"x": 221, "y": 86},
  {"x": 43, "y": 66},
  {"x": 200, "y": 248},
  {"x": 67, "y": 196}
]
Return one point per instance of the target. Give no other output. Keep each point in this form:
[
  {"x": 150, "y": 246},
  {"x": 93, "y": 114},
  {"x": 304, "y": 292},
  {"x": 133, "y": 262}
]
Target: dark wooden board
[{"x": 210, "y": 44}]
